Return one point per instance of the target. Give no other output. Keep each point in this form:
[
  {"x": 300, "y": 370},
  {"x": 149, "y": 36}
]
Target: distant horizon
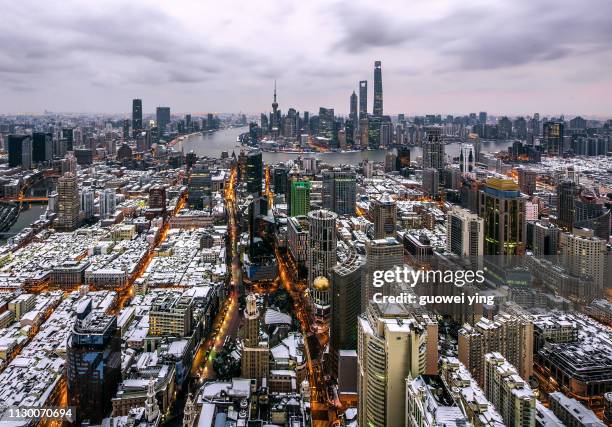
[{"x": 507, "y": 56}]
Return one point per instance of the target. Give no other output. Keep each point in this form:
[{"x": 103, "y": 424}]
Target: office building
[
  {"x": 431, "y": 183},
  {"x": 383, "y": 212},
  {"x": 297, "y": 241},
  {"x": 322, "y": 257},
  {"x": 508, "y": 392},
  {"x": 339, "y": 191},
  {"x": 200, "y": 186},
  {"x": 381, "y": 254},
  {"x": 552, "y": 138},
  {"x": 87, "y": 204},
  {"x": 402, "y": 159},
  {"x": 94, "y": 366},
  {"x": 280, "y": 180},
  {"x": 254, "y": 172},
  {"x": 567, "y": 191},
  {"x": 433, "y": 149},
  {"x": 157, "y": 198},
  {"x": 378, "y": 90},
  {"x": 299, "y": 203},
  {"x": 171, "y": 316},
  {"x": 20, "y": 151},
  {"x": 42, "y": 147},
  {"x": 68, "y": 203},
  {"x": 503, "y": 209},
  {"x": 255, "y": 353},
  {"x": 391, "y": 346},
  {"x": 590, "y": 211},
  {"x": 346, "y": 279},
  {"x": 136, "y": 117},
  {"x": 363, "y": 100},
  {"x": 162, "y": 119},
  {"x": 467, "y": 158},
  {"x": 108, "y": 203},
  {"x": 527, "y": 180},
  {"x": 353, "y": 115},
  {"x": 510, "y": 335}
]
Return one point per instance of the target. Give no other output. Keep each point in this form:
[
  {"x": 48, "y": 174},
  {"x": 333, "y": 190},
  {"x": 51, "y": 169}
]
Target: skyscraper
[
  {"x": 392, "y": 346},
  {"x": 363, "y": 99},
  {"x": 527, "y": 180},
  {"x": 503, "y": 209},
  {"x": 299, "y": 203},
  {"x": 464, "y": 233},
  {"x": 467, "y": 158},
  {"x": 566, "y": 195},
  {"x": 584, "y": 254},
  {"x": 20, "y": 151},
  {"x": 255, "y": 354},
  {"x": 94, "y": 365},
  {"x": 107, "y": 202},
  {"x": 42, "y": 147},
  {"x": 378, "y": 90},
  {"x": 384, "y": 214},
  {"x": 254, "y": 172},
  {"x": 381, "y": 255},
  {"x": 345, "y": 306},
  {"x": 431, "y": 182},
  {"x": 552, "y": 138},
  {"x": 68, "y": 203},
  {"x": 68, "y": 135},
  {"x": 321, "y": 258},
  {"x": 353, "y": 108},
  {"x": 87, "y": 203},
  {"x": 162, "y": 118},
  {"x": 136, "y": 116},
  {"x": 339, "y": 191},
  {"x": 433, "y": 149}
]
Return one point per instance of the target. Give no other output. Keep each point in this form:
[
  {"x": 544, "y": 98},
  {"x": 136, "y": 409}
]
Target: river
[
  {"x": 25, "y": 219},
  {"x": 225, "y": 140}
]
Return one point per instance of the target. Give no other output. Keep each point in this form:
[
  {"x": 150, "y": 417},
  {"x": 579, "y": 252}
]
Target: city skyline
[{"x": 516, "y": 58}]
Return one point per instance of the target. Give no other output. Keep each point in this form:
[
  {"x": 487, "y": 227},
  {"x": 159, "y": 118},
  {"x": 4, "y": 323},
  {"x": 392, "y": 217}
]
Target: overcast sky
[{"x": 438, "y": 56}]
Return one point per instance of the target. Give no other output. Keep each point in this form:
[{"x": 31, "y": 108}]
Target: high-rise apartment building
[
  {"x": 433, "y": 149},
  {"x": 384, "y": 214},
  {"x": 322, "y": 256},
  {"x": 93, "y": 365},
  {"x": 378, "y": 90},
  {"x": 391, "y": 346},
  {"x": 339, "y": 191},
  {"x": 68, "y": 203},
  {"x": 465, "y": 234},
  {"x": 510, "y": 335},
  {"x": 503, "y": 209},
  {"x": 510, "y": 393},
  {"x": 584, "y": 255},
  {"x": 136, "y": 117},
  {"x": 299, "y": 203}
]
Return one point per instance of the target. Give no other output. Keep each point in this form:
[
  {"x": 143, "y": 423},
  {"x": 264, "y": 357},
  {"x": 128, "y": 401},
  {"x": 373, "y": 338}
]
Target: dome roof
[{"x": 321, "y": 284}]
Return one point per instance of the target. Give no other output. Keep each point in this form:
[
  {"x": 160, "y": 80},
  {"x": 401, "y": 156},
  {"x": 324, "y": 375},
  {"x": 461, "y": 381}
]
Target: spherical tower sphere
[{"x": 321, "y": 284}]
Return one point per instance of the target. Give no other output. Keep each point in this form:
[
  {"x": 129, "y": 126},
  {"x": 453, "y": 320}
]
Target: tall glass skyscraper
[
  {"x": 136, "y": 116},
  {"x": 363, "y": 99},
  {"x": 378, "y": 90},
  {"x": 94, "y": 365}
]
